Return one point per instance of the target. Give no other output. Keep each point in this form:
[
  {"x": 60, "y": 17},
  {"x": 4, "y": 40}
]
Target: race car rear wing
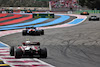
[{"x": 33, "y": 43}]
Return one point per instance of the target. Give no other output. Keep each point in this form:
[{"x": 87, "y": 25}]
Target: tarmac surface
[{"x": 76, "y": 46}]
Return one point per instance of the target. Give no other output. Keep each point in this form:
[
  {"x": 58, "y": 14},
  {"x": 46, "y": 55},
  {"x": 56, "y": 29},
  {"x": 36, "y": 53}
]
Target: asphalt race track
[{"x": 76, "y": 46}]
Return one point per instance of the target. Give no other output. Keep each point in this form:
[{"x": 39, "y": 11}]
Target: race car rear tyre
[
  {"x": 38, "y": 33},
  {"x": 98, "y": 19},
  {"x": 18, "y": 53},
  {"x": 24, "y": 32},
  {"x": 12, "y": 51},
  {"x": 43, "y": 53},
  {"x": 87, "y": 13},
  {"x": 42, "y": 32}
]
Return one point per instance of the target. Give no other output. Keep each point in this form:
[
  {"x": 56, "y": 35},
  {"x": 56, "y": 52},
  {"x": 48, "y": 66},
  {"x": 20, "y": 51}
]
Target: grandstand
[
  {"x": 23, "y": 3},
  {"x": 56, "y": 5},
  {"x": 64, "y": 3}
]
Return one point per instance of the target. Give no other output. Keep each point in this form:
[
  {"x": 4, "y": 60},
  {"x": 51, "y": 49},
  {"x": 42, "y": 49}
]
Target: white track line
[{"x": 5, "y": 44}]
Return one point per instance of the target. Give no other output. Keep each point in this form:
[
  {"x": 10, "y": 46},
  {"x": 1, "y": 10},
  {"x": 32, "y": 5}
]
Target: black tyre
[
  {"x": 24, "y": 32},
  {"x": 38, "y": 33},
  {"x": 43, "y": 53},
  {"x": 42, "y": 32},
  {"x": 81, "y": 13},
  {"x": 18, "y": 53},
  {"x": 98, "y": 19},
  {"x": 12, "y": 51},
  {"x": 87, "y": 13},
  {"x": 38, "y": 43},
  {"x": 89, "y": 19}
]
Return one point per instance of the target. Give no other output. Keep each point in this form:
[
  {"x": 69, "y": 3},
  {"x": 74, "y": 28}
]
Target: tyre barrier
[{"x": 2, "y": 64}]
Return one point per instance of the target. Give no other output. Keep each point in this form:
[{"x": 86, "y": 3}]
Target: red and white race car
[
  {"x": 32, "y": 31},
  {"x": 28, "y": 49}
]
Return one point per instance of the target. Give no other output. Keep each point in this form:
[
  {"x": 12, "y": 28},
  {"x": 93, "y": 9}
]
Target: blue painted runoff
[
  {"x": 76, "y": 21},
  {"x": 2, "y": 45},
  {"x": 59, "y": 20},
  {"x": 27, "y": 23},
  {"x": 10, "y": 28},
  {"x": 73, "y": 22}
]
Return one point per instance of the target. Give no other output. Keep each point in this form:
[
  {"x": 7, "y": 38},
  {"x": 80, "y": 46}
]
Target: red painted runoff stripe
[
  {"x": 7, "y": 18},
  {"x": 38, "y": 65},
  {"x": 28, "y": 61},
  {"x": 4, "y": 54},
  {"x": 2, "y": 15},
  {"x": 4, "y": 51},
  {"x": 17, "y": 20}
]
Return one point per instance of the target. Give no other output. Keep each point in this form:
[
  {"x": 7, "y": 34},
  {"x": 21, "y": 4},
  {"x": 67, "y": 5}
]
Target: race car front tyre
[
  {"x": 12, "y": 51},
  {"x": 43, "y": 53},
  {"x": 24, "y": 32},
  {"x": 18, "y": 53},
  {"x": 89, "y": 19},
  {"x": 42, "y": 32}
]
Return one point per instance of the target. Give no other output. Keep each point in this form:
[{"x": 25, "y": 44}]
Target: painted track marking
[
  {"x": 59, "y": 20},
  {"x": 17, "y": 20},
  {"x": 27, "y": 23},
  {"x": 3, "y": 15},
  {"x": 3, "y": 33},
  {"x": 16, "y": 31},
  {"x": 26, "y": 62},
  {"x": 15, "y": 16}
]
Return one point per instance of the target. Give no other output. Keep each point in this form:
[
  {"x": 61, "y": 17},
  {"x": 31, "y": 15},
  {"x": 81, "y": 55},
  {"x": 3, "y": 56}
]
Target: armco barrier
[
  {"x": 90, "y": 11},
  {"x": 43, "y": 15}
]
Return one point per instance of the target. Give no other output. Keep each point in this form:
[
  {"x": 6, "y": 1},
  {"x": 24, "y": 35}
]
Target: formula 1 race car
[
  {"x": 84, "y": 13},
  {"x": 32, "y": 31},
  {"x": 95, "y": 18},
  {"x": 28, "y": 49},
  {"x": 28, "y": 11}
]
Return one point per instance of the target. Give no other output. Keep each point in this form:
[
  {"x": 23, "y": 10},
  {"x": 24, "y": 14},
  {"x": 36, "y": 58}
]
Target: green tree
[
  {"x": 92, "y": 4},
  {"x": 82, "y": 2}
]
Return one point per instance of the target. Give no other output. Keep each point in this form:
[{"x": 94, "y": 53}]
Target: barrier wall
[
  {"x": 90, "y": 11},
  {"x": 43, "y": 15}
]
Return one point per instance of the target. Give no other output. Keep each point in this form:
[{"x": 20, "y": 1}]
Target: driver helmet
[{"x": 27, "y": 41}]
